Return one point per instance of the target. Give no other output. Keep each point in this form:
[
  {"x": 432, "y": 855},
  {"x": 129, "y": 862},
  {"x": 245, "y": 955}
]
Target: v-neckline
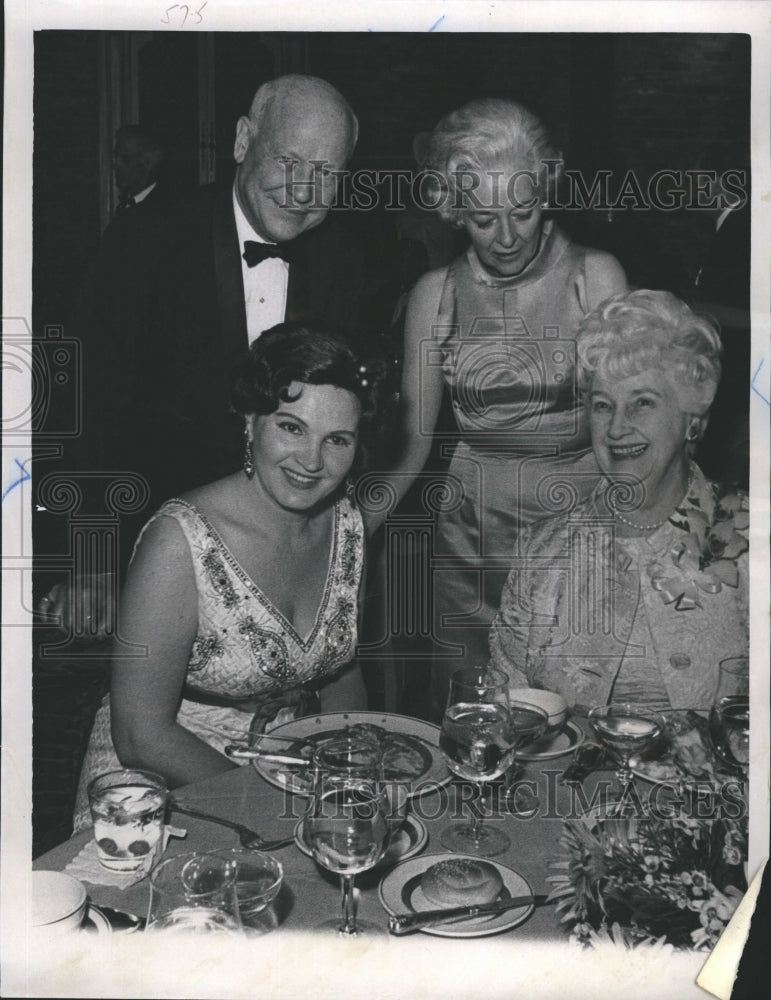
[{"x": 239, "y": 570}]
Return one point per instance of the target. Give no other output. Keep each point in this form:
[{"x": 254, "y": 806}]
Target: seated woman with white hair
[{"x": 638, "y": 593}]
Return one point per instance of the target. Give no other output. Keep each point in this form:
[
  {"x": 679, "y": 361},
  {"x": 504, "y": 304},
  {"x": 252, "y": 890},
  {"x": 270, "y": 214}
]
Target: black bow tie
[{"x": 255, "y": 253}]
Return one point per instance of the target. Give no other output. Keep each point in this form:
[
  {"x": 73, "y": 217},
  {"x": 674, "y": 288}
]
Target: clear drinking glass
[
  {"x": 626, "y": 730},
  {"x": 258, "y": 882},
  {"x": 729, "y": 720},
  {"x": 346, "y": 825},
  {"x": 128, "y": 809},
  {"x": 481, "y": 733},
  {"x": 194, "y": 894}
]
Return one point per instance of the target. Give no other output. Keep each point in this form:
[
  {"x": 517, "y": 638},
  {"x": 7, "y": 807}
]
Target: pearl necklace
[{"x": 658, "y": 524}]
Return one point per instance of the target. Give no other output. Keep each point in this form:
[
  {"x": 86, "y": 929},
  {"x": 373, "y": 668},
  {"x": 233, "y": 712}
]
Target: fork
[{"x": 248, "y": 838}]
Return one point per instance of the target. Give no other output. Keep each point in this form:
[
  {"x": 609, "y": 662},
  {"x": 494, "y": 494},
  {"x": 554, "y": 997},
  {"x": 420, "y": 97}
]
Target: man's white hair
[{"x": 294, "y": 85}]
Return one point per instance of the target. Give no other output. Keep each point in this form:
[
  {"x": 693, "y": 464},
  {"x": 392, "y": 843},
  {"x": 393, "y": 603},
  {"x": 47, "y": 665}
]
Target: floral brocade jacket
[{"x": 582, "y": 605}]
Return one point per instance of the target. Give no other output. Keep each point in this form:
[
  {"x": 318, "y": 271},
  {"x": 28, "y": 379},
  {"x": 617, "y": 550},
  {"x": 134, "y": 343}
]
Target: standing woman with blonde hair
[{"x": 495, "y": 329}]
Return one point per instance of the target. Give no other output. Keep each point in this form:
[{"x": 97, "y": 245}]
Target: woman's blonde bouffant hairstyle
[
  {"x": 484, "y": 134},
  {"x": 635, "y": 331}
]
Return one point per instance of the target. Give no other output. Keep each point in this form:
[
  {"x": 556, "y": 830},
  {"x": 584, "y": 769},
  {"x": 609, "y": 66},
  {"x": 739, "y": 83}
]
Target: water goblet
[
  {"x": 194, "y": 894},
  {"x": 729, "y": 720},
  {"x": 481, "y": 733},
  {"x": 346, "y": 825},
  {"x": 626, "y": 730}
]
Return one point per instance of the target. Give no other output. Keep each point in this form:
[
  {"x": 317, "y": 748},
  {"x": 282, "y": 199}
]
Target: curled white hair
[{"x": 635, "y": 331}]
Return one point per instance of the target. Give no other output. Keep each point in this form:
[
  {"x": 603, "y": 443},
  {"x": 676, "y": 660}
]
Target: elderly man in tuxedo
[{"x": 176, "y": 302}]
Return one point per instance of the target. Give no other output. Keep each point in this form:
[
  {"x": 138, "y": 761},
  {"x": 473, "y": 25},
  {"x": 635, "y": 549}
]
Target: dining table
[{"x": 310, "y": 895}]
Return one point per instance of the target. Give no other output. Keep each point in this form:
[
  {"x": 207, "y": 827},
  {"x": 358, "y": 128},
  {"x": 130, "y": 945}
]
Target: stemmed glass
[
  {"x": 729, "y": 720},
  {"x": 346, "y": 825},
  {"x": 626, "y": 730},
  {"x": 481, "y": 733}
]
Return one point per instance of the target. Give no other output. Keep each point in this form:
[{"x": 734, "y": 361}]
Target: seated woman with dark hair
[
  {"x": 243, "y": 593},
  {"x": 638, "y": 593}
]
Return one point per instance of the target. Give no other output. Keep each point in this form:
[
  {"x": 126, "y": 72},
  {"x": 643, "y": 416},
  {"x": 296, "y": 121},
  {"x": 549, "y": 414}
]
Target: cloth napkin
[{"x": 85, "y": 866}]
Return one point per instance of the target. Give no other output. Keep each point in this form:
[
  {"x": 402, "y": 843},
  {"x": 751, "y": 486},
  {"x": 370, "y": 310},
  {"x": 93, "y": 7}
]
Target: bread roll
[{"x": 461, "y": 882}]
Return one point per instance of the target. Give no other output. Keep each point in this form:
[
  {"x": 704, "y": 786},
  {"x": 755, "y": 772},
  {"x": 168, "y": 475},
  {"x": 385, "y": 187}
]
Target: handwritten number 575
[{"x": 184, "y": 13}]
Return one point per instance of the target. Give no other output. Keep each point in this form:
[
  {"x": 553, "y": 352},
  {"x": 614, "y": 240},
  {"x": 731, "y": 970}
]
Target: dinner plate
[
  {"x": 315, "y": 729},
  {"x": 95, "y": 922},
  {"x": 400, "y": 892},
  {"x": 548, "y": 747},
  {"x": 409, "y": 841}
]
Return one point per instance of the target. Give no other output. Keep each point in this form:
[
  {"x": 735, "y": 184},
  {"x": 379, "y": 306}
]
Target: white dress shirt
[
  {"x": 723, "y": 216},
  {"x": 265, "y": 284},
  {"x": 144, "y": 193}
]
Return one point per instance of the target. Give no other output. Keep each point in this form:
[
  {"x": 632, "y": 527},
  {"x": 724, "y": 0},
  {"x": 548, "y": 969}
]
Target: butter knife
[
  {"x": 404, "y": 923},
  {"x": 236, "y": 752}
]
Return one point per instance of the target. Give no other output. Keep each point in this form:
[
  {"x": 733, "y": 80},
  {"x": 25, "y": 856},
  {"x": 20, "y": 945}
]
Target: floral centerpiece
[{"x": 646, "y": 880}]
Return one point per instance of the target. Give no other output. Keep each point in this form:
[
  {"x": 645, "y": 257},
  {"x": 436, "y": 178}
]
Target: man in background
[{"x": 138, "y": 162}]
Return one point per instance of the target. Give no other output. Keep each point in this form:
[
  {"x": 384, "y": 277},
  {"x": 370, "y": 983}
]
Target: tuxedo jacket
[{"x": 163, "y": 324}]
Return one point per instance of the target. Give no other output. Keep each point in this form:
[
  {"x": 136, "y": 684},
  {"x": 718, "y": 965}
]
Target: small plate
[
  {"x": 313, "y": 729},
  {"x": 409, "y": 841},
  {"x": 95, "y": 922},
  {"x": 400, "y": 892},
  {"x": 564, "y": 742}
]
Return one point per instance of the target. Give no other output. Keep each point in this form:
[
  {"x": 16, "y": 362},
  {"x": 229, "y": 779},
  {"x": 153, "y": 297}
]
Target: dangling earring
[
  {"x": 350, "y": 490},
  {"x": 693, "y": 432},
  {"x": 248, "y": 457}
]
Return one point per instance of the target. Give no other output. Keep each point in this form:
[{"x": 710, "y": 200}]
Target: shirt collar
[
  {"x": 725, "y": 213},
  {"x": 144, "y": 193}
]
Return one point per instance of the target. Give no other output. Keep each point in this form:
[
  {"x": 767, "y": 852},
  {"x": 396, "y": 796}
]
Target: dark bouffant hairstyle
[{"x": 299, "y": 352}]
